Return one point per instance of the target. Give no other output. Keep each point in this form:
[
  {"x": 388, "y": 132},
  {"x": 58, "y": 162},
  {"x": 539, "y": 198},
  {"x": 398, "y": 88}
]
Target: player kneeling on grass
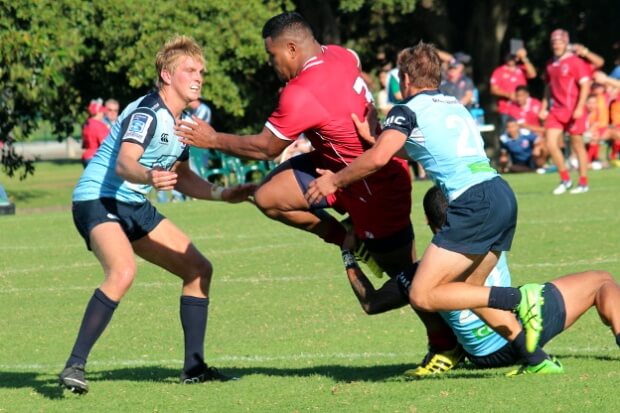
[
  {"x": 565, "y": 300},
  {"x": 113, "y": 215}
]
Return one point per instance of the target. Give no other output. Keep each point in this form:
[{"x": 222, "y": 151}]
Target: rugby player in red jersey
[
  {"x": 323, "y": 88},
  {"x": 563, "y": 108}
]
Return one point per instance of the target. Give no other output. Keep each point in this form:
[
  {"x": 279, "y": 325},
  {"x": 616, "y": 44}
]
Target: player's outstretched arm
[
  {"x": 262, "y": 146},
  {"x": 373, "y": 301},
  {"x": 193, "y": 185},
  {"x": 375, "y": 158}
]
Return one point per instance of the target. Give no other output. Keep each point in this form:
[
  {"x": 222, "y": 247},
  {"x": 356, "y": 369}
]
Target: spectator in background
[
  {"x": 456, "y": 83},
  {"x": 394, "y": 95},
  {"x": 94, "y": 131},
  {"x": 526, "y": 110},
  {"x": 597, "y": 106},
  {"x": 506, "y": 78},
  {"x": 200, "y": 109},
  {"x": 383, "y": 103},
  {"x": 616, "y": 72},
  {"x": 613, "y": 86},
  {"x": 111, "y": 112},
  {"x": 568, "y": 80},
  {"x": 521, "y": 150}
]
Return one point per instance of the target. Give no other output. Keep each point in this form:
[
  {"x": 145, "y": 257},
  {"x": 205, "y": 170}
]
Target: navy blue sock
[
  {"x": 504, "y": 298},
  {"x": 194, "y": 313},
  {"x": 518, "y": 345},
  {"x": 96, "y": 317},
  {"x": 618, "y": 339}
]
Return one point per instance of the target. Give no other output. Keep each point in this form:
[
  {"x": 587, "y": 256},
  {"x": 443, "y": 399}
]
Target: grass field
[{"x": 282, "y": 316}]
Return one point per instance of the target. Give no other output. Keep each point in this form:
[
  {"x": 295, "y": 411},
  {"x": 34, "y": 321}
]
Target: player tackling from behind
[
  {"x": 565, "y": 300},
  {"x": 437, "y": 131},
  {"x": 113, "y": 215}
]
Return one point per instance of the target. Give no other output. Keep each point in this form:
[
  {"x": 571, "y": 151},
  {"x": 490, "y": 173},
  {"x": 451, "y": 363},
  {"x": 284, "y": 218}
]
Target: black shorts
[
  {"x": 481, "y": 219},
  {"x": 554, "y": 319},
  {"x": 137, "y": 220}
]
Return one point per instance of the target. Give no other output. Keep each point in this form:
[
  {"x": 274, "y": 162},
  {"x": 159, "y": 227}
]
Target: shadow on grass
[
  {"x": 49, "y": 388},
  {"x": 590, "y": 357}
]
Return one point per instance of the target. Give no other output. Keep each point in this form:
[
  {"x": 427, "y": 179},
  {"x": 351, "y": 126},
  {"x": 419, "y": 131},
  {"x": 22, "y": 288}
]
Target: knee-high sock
[
  {"x": 96, "y": 317},
  {"x": 194, "y": 313}
]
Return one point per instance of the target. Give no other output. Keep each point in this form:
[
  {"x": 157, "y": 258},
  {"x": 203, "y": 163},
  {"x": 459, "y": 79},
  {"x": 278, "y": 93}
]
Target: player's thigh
[
  {"x": 579, "y": 292},
  {"x": 440, "y": 266},
  {"x": 168, "y": 247},
  {"x": 113, "y": 249},
  {"x": 394, "y": 260},
  {"x": 281, "y": 190}
]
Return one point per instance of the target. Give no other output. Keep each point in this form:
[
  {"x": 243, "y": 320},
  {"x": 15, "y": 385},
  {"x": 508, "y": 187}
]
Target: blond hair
[
  {"x": 167, "y": 57},
  {"x": 422, "y": 64}
]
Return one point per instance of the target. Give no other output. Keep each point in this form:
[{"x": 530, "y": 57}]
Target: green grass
[{"x": 282, "y": 315}]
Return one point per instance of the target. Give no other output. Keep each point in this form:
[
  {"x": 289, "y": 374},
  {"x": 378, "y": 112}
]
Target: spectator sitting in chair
[
  {"x": 525, "y": 109},
  {"x": 521, "y": 150}
]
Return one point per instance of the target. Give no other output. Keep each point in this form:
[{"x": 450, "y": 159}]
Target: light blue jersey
[
  {"x": 146, "y": 122},
  {"x": 473, "y": 334},
  {"x": 477, "y": 338},
  {"x": 443, "y": 137}
]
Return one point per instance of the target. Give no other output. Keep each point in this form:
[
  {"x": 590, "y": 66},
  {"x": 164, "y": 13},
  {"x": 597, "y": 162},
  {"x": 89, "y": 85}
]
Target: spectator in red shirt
[
  {"x": 563, "y": 109},
  {"x": 94, "y": 131},
  {"x": 526, "y": 110},
  {"x": 506, "y": 78}
]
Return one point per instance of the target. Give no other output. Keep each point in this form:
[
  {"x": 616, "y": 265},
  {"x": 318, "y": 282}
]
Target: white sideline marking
[
  {"x": 162, "y": 284},
  {"x": 271, "y": 358}
]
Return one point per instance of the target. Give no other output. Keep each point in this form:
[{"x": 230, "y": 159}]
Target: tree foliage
[{"x": 56, "y": 55}]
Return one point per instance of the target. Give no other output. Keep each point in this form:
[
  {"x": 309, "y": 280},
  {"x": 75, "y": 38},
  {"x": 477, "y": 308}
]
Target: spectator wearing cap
[
  {"x": 525, "y": 109},
  {"x": 568, "y": 86},
  {"x": 94, "y": 131},
  {"x": 521, "y": 150},
  {"x": 506, "y": 78},
  {"x": 111, "y": 112},
  {"x": 456, "y": 83}
]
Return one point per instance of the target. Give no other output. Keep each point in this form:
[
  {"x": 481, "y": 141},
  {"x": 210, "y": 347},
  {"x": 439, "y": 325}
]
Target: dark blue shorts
[
  {"x": 482, "y": 219},
  {"x": 554, "y": 319},
  {"x": 137, "y": 220}
]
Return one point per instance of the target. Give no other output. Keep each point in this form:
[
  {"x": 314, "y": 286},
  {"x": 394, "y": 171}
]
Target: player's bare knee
[
  {"x": 420, "y": 301},
  {"x": 122, "y": 278}
]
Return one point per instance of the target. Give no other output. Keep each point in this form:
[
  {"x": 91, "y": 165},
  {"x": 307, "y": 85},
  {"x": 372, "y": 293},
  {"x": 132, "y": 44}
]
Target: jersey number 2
[{"x": 469, "y": 142}]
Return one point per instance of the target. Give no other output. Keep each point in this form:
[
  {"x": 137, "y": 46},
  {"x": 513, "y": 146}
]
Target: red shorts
[
  {"x": 383, "y": 212},
  {"x": 379, "y": 206},
  {"x": 562, "y": 119}
]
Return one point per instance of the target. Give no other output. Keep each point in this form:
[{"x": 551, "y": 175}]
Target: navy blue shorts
[
  {"x": 554, "y": 319},
  {"x": 481, "y": 219},
  {"x": 137, "y": 220}
]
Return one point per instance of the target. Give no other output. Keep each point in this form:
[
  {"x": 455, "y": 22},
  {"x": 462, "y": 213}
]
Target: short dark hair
[
  {"x": 422, "y": 64},
  {"x": 285, "y": 22},
  {"x": 435, "y": 206},
  {"x": 522, "y": 88}
]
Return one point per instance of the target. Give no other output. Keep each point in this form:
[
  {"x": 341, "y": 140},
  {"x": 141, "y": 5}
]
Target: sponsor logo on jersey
[
  {"x": 138, "y": 127},
  {"x": 395, "y": 120},
  {"x": 164, "y": 138}
]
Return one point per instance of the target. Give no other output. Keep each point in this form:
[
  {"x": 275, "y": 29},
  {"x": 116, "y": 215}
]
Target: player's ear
[
  {"x": 166, "y": 76},
  {"x": 291, "y": 48}
]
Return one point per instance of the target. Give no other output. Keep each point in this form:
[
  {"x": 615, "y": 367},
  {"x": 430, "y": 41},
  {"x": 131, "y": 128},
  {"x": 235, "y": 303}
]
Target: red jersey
[
  {"x": 508, "y": 78},
  {"x": 93, "y": 134},
  {"x": 319, "y": 102},
  {"x": 527, "y": 113},
  {"x": 565, "y": 75}
]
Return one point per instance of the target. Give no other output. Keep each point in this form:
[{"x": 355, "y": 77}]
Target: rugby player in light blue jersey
[
  {"x": 565, "y": 300},
  {"x": 437, "y": 131},
  {"x": 116, "y": 220}
]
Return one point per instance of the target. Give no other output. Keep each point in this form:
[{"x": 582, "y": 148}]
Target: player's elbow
[{"x": 379, "y": 159}]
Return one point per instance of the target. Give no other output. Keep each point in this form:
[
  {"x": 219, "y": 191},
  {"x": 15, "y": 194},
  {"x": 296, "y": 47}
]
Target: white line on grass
[
  {"x": 276, "y": 358},
  {"x": 161, "y": 284}
]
